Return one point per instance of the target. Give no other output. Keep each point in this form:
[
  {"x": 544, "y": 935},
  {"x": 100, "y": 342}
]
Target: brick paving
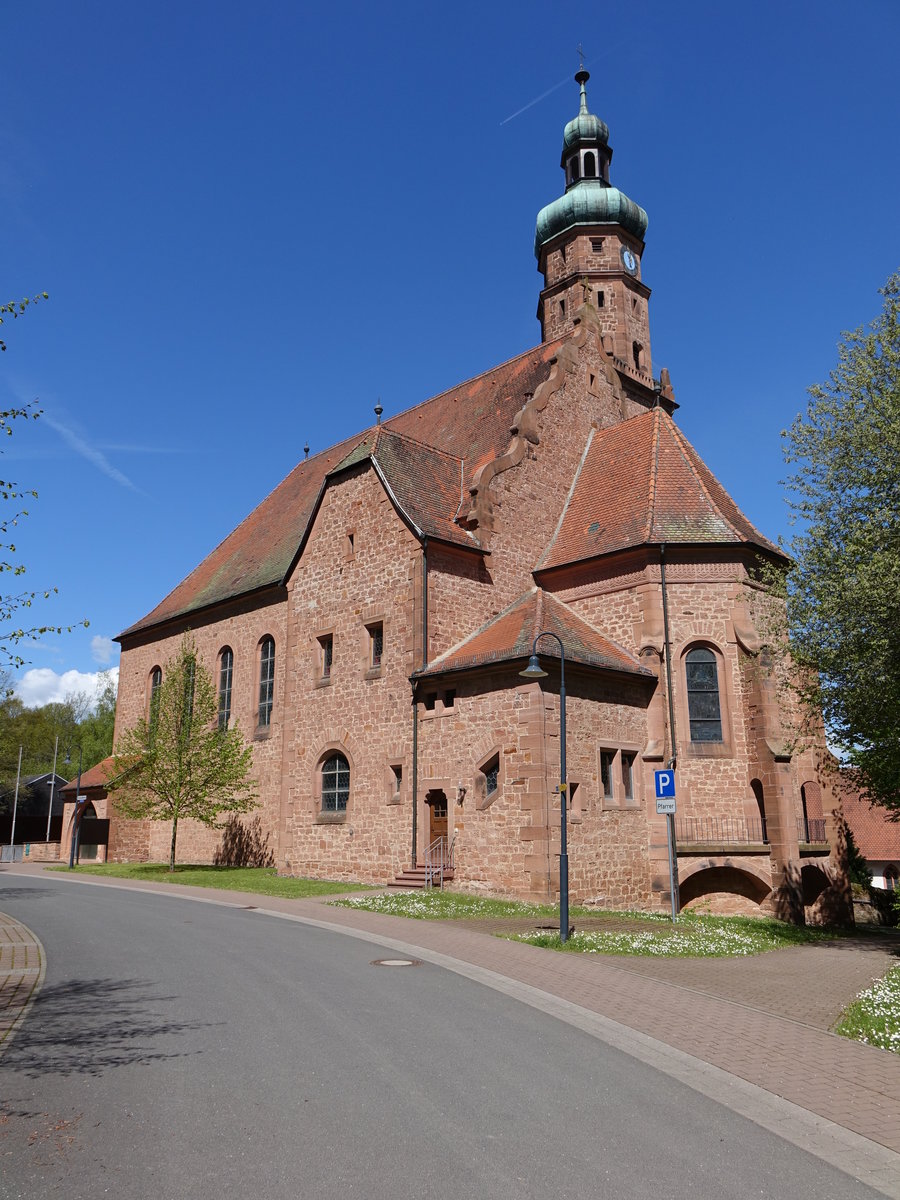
[
  {"x": 21, "y": 963},
  {"x": 764, "y": 1019}
]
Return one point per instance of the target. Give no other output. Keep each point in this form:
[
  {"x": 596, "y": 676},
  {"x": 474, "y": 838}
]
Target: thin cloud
[
  {"x": 93, "y": 454},
  {"x": 102, "y": 649}
]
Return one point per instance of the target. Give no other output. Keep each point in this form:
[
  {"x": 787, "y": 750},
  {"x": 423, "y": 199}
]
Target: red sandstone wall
[
  {"x": 362, "y": 713},
  {"x": 242, "y": 630}
]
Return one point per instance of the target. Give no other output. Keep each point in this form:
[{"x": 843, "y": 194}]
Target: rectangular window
[
  {"x": 430, "y": 699},
  {"x": 449, "y": 697},
  {"x": 596, "y": 245},
  {"x": 492, "y": 775},
  {"x": 376, "y": 644},
  {"x": 601, "y": 299},
  {"x": 326, "y": 655},
  {"x": 628, "y": 776},
  {"x": 397, "y": 772},
  {"x": 607, "y": 758}
]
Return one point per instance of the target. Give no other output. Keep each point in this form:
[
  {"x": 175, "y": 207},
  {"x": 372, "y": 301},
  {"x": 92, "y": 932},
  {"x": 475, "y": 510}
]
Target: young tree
[
  {"x": 843, "y": 593},
  {"x": 177, "y": 762}
]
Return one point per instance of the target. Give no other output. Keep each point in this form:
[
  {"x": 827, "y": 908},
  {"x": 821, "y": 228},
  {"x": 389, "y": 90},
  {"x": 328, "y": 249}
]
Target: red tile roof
[
  {"x": 470, "y": 422},
  {"x": 642, "y": 482},
  {"x": 876, "y": 835},
  {"x": 510, "y": 635},
  {"x": 92, "y": 778},
  {"x": 427, "y": 484}
]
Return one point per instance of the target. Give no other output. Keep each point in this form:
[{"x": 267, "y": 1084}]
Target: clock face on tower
[{"x": 629, "y": 261}]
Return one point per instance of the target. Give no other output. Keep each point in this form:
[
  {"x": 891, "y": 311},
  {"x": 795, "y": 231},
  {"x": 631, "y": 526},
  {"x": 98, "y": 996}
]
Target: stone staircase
[{"x": 417, "y": 877}]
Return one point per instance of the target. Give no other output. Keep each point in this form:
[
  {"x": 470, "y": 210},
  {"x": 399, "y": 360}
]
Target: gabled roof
[
  {"x": 94, "y": 777},
  {"x": 470, "y": 422},
  {"x": 641, "y": 482},
  {"x": 426, "y": 484},
  {"x": 510, "y": 636},
  {"x": 876, "y": 835}
]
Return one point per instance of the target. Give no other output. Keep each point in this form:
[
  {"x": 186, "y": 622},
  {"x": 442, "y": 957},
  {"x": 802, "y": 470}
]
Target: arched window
[
  {"x": 335, "y": 784},
  {"x": 155, "y": 685},
  {"x": 574, "y": 165},
  {"x": 266, "y": 680},
  {"x": 590, "y": 165},
  {"x": 704, "y": 712},
  {"x": 226, "y": 673}
]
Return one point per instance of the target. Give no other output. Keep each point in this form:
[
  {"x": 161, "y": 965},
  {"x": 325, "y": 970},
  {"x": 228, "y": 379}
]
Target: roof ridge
[
  {"x": 565, "y": 507},
  {"x": 654, "y": 480},
  {"x": 474, "y": 379},
  {"x": 682, "y": 442},
  {"x": 485, "y": 625}
]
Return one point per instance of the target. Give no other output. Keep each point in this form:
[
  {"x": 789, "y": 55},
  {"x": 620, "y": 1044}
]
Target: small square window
[
  {"x": 596, "y": 245},
  {"x": 376, "y": 644},
  {"x": 326, "y": 655},
  {"x": 628, "y": 776},
  {"x": 450, "y": 698},
  {"x": 607, "y": 758},
  {"x": 430, "y": 699}
]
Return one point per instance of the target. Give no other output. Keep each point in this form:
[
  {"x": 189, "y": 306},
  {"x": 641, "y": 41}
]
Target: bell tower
[{"x": 589, "y": 244}]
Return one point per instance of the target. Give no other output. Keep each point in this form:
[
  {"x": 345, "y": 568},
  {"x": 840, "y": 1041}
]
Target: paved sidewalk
[
  {"x": 21, "y": 971},
  {"x": 762, "y": 1019}
]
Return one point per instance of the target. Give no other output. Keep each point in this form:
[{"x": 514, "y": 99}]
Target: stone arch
[
  {"x": 723, "y": 887},
  {"x": 813, "y": 882}
]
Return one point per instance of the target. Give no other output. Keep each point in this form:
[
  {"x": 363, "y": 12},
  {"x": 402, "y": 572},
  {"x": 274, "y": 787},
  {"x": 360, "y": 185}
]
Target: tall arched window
[
  {"x": 335, "y": 783},
  {"x": 226, "y": 672},
  {"x": 266, "y": 680},
  {"x": 155, "y": 685},
  {"x": 590, "y": 165},
  {"x": 704, "y": 712}
]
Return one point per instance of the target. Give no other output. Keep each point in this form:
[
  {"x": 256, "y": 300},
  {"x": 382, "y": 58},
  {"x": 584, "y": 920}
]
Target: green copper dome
[
  {"x": 585, "y": 128},
  {"x": 589, "y": 197},
  {"x": 589, "y": 202}
]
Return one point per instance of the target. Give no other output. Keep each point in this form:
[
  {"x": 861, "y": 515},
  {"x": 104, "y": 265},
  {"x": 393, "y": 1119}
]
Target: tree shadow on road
[
  {"x": 89, "y": 1026},
  {"x": 25, "y": 893}
]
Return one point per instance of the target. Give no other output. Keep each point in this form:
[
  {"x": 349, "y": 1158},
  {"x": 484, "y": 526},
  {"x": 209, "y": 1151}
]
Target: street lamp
[
  {"x": 76, "y": 815},
  {"x": 534, "y": 670}
]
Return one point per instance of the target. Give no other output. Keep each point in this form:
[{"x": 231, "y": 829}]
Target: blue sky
[{"x": 254, "y": 221}]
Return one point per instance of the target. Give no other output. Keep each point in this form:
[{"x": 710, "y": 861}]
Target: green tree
[
  {"x": 12, "y": 633},
  {"x": 176, "y": 762},
  {"x": 843, "y": 593}
]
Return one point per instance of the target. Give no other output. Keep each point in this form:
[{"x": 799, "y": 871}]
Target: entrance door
[{"x": 437, "y": 811}]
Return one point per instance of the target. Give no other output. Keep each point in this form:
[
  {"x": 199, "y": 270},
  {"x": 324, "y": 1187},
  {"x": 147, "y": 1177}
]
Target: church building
[{"x": 368, "y": 624}]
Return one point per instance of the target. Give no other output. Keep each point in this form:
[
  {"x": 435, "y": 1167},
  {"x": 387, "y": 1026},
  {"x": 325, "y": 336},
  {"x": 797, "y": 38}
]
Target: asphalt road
[{"x": 181, "y": 1050}]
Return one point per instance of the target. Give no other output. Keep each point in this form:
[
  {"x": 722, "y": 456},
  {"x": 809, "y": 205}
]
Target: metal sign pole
[
  {"x": 673, "y": 874},
  {"x": 12, "y": 833}
]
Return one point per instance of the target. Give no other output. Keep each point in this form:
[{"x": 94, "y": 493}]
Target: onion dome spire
[{"x": 589, "y": 198}]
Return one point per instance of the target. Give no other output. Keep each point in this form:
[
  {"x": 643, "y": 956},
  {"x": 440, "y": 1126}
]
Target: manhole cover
[{"x": 395, "y": 962}]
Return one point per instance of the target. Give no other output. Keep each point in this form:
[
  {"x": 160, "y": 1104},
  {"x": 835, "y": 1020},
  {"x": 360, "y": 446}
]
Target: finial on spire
[
  {"x": 378, "y": 411},
  {"x": 306, "y": 452},
  {"x": 581, "y": 78}
]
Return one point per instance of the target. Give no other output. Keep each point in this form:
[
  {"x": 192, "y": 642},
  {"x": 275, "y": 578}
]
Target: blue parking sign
[{"x": 665, "y": 784}]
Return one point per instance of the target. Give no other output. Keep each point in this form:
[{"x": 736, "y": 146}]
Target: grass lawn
[
  {"x": 874, "y": 1016},
  {"x": 238, "y": 879},
  {"x": 627, "y": 933}
]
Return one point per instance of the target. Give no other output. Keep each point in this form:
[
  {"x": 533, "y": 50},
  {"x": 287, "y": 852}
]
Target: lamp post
[
  {"x": 534, "y": 670},
  {"x": 76, "y": 815}
]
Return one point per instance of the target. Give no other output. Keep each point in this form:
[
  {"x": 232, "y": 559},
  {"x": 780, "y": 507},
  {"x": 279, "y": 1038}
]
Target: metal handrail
[
  {"x": 811, "y": 830},
  {"x": 733, "y": 830},
  {"x": 742, "y": 830},
  {"x": 438, "y": 858}
]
